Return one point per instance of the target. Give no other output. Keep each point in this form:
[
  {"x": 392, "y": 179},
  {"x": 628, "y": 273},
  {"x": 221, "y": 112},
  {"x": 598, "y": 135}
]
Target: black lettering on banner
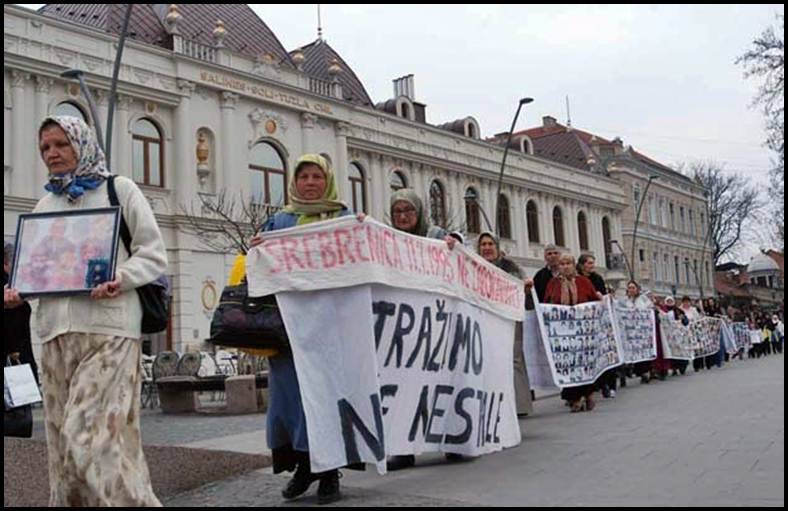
[
  {"x": 381, "y": 310},
  {"x": 387, "y": 391},
  {"x": 437, "y": 412},
  {"x": 441, "y": 316},
  {"x": 498, "y": 420},
  {"x": 422, "y": 415},
  {"x": 477, "y": 349},
  {"x": 349, "y": 420},
  {"x": 462, "y": 339},
  {"x": 460, "y": 410},
  {"x": 425, "y": 333},
  {"x": 399, "y": 332},
  {"x": 487, "y": 435},
  {"x": 481, "y": 396}
]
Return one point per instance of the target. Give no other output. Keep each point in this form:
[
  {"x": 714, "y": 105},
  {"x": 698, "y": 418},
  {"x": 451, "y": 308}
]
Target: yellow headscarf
[{"x": 309, "y": 211}]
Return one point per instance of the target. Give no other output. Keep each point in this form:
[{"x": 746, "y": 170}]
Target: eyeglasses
[{"x": 403, "y": 212}]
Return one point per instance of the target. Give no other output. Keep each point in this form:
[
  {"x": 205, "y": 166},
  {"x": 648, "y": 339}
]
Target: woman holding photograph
[
  {"x": 91, "y": 356},
  {"x": 569, "y": 288}
]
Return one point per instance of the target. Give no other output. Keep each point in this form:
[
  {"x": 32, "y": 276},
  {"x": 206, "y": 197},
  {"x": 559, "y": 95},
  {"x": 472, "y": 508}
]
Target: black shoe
[
  {"x": 453, "y": 457},
  {"x": 299, "y": 484},
  {"x": 328, "y": 491},
  {"x": 400, "y": 462}
]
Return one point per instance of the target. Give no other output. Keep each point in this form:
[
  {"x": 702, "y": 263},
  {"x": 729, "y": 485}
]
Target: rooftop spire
[{"x": 319, "y": 24}]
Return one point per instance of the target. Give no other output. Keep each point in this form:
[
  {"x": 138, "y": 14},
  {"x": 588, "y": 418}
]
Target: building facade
[
  {"x": 672, "y": 250},
  {"x": 207, "y": 106}
]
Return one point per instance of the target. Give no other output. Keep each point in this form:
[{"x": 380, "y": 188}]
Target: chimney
[
  {"x": 404, "y": 87},
  {"x": 548, "y": 122},
  {"x": 618, "y": 146}
]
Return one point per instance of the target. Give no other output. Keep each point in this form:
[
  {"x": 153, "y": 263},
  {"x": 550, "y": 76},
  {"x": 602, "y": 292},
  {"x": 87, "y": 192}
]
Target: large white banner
[
  {"x": 677, "y": 341},
  {"x": 580, "y": 341},
  {"x": 401, "y": 345},
  {"x": 636, "y": 328},
  {"x": 540, "y": 375},
  {"x": 707, "y": 334},
  {"x": 729, "y": 338},
  {"x": 701, "y": 338},
  {"x": 386, "y": 371},
  {"x": 345, "y": 252},
  {"x": 741, "y": 333}
]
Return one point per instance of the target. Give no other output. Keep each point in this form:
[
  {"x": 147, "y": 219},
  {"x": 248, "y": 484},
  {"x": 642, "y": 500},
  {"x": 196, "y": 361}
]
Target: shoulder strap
[{"x": 113, "y": 200}]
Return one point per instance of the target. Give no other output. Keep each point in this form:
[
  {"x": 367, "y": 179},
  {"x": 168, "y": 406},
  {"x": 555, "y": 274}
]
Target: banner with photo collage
[
  {"x": 707, "y": 334},
  {"x": 637, "y": 330},
  {"x": 741, "y": 334},
  {"x": 580, "y": 341},
  {"x": 677, "y": 341}
]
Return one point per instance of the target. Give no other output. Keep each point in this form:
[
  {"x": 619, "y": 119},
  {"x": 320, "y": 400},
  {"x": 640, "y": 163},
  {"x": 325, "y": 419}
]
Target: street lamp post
[
  {"x": 623, "y": 253},
  {"x": 471, "y": 197},
  {"x": 637, "y": 220},
  {"x": 522, "y": 102}
]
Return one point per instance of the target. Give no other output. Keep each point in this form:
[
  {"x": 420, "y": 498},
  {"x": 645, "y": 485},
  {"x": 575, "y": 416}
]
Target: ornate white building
[{"x": 209, "y": 100}]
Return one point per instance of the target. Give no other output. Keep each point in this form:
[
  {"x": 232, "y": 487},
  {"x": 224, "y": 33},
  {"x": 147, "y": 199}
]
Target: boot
[
  {"x": 302, "y": 479},
  {"x": 328, "y": 491}
]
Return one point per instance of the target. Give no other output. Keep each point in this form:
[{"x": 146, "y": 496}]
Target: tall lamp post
[
  {"x": 522, "y": 102},
  {"x": 637, "y": 220}
]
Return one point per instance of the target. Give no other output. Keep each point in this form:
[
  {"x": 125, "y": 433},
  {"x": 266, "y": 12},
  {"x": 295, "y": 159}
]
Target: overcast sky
[{"x": 663, "y": 78}]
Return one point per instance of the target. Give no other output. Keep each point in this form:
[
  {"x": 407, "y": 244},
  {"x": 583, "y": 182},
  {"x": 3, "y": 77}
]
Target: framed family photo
[{"x": 65, "y": 252}]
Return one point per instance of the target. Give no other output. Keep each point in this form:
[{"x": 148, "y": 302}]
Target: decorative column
[
  {"x": 40, "y": 172},
  {"x": 185, "y": 170},
  {"x": 342, "y": 130},
  {"x": 519, "y": 234},
  {"x": 21, "y": 179},
  {"x": 307, "y": 132},
  {"x": 121, "y": 140},
  {"x": 230, "y": 176}
]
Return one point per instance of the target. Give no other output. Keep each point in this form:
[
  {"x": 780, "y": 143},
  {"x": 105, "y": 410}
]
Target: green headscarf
[{"x": 309, "y": 211}]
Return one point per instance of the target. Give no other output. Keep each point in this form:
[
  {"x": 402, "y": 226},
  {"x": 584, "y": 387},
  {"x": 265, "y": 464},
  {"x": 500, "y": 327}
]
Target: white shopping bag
[{"x": 19, "y": 386}]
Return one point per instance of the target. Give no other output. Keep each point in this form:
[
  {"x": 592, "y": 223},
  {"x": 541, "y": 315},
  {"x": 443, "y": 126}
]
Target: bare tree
[
  {"x": 766, "y": 59},
  {"x": 733, "y": 207},
  {"x": 225, "y": 222}
]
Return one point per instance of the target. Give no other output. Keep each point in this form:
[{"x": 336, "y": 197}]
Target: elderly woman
[
  {"x": 489, "y": 249},
  {"x": 634, "y": 298},
  {"x": 408, "y": 214},
  {"x": 91, "y": 354},
  {"x": 312, "y": 194},
  {"x": 569, "y": 288}
]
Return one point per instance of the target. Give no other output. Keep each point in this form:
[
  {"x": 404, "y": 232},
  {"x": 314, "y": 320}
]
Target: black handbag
[
  {"x": 243, "y": 322},
  {"x": 155, "y": 297}
]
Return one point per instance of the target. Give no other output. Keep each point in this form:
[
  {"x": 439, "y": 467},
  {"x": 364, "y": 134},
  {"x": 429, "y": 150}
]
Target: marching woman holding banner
[
  {"x": 569, "y": 288},
  {"x": 312, "y": 196},
  {"x": 488, "y": 248},
  {"x": 408, "y": 214},
  {"x": 91, "y": 357},
  {"x": 642, "y": 369},
  {"x": 586, "y": 265}
]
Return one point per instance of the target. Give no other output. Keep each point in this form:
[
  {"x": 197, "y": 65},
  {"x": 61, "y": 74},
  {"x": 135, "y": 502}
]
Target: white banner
[
  {"x": 580, "y": 341},
  {"x": 741, "y": 334},
  {"x": 707, "y": 332},
  {"x": 729, "y": 338},
  {"x": 636, "y": 328},
  {"x": 386, "y": 371},
  {"x": 677, "y": 342},
  {"x": 540, "y": 375},
  {"x": 345, "y": 252}
]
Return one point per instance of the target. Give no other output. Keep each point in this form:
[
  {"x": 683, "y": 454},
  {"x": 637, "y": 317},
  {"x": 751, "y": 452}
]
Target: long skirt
[
  {"x": 286, "y": 423},
  {"x": 522, "y": 387},
  {"x": 575, "y": 393},
  {"x": 92, "y": 406}
]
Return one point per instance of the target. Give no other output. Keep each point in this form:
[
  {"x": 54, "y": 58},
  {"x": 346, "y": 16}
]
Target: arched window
[
  {"x": 472, "y": 210},
  {"x": 405, "y": 110},
  {"x": 397, "y": 181},
  {"x": 525, "y": 146},
  {"x": 268, "y": 175},
  {"x": 147, "y": 153},
  {"x": 582, "y": 230},
  {"x": 71, "y": 109},
  {"x": 532, "y": 218},
  {"x": 676, "y": 269},
  {"x": 503, "y": 219},
  {"x": 437, "y": 204},
  {"x": 357, "y": 188},
  {"x": 558, "y": 227},
  {"x": 471, "y": 130}
]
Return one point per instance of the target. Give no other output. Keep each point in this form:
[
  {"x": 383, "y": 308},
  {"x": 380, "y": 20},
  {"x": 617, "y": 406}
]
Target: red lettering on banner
[
  {"x": 268, "y": 247},
  {"x": 291, "y": 257},
  {"x": 308, "y": 251},
  {"x": 327, "y": 255},
  {"x": 342, "y": 238},
  {"x": 358, "y": 236}
]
